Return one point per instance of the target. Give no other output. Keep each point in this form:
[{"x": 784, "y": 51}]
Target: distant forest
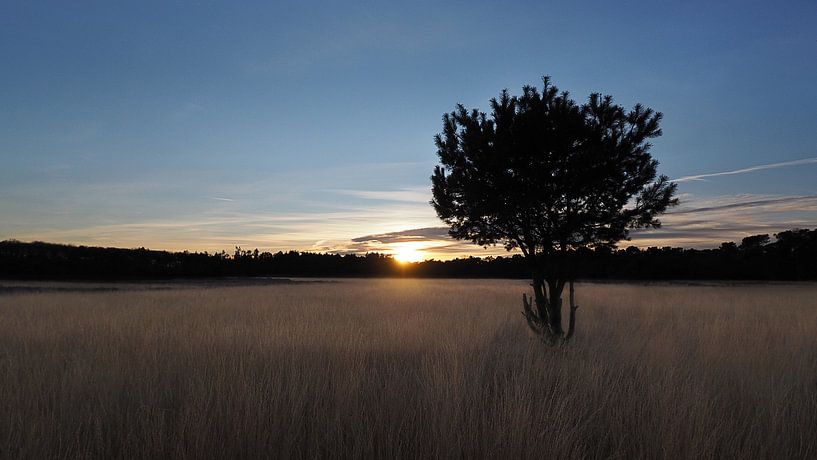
[{"x": 791, "y": 256}]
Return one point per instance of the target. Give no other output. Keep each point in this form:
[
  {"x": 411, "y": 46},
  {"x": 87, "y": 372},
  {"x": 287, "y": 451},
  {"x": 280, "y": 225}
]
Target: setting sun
[{"x": 408, "y": 252}]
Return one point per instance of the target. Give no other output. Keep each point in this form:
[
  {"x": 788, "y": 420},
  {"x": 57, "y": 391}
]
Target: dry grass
[{"x": 405, "y": 368}]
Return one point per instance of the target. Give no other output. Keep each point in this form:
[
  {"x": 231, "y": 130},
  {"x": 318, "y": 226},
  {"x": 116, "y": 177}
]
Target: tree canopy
[{"x": 544, "y": 173}]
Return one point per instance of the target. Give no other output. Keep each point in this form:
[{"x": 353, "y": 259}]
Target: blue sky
[{"x": 309, "y": 125}]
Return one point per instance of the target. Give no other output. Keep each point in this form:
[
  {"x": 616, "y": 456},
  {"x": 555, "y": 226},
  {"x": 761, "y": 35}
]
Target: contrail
[
  {"x": 804, "y": 161},
  {"x": 218, "y": 198},
  {"x": 747, "y": 204}
]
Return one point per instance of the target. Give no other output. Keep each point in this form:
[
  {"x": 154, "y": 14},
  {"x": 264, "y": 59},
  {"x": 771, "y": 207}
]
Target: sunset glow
[
  {"x": 108, "y": 140},
  {"x": 409, "y": 252}
]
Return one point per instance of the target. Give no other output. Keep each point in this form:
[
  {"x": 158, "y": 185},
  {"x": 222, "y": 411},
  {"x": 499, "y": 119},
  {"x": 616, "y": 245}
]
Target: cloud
[
  {"x": 783, "y": 204},
  {"x": 411, "y": 195},
  {"x": 289, "y": 210},
  {"x": 283, "y": 209},
  {"x": 428, "y": 233},
  {"x": 729, "y": 218},
  {"x": 704, "y": 223},
  {"x": 804, "y": 161}
]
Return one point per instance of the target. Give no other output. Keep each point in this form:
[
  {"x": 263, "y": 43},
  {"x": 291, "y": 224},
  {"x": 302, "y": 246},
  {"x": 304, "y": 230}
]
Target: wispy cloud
[
  {"x": 701, "y": 223},
  {"x": 428, "y": 233},
  {"x": 412, "y": 195},
  {"x": 784, "y": 164},
  {"x": 781, "y": 204},
  {"x": 708, "y": 222},
  {"x": 351, "y": 208}
]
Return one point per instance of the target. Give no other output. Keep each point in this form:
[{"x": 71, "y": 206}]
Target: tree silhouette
[
  {"x": 549, "y": 176},
  {"x": 793, "y": 256}
]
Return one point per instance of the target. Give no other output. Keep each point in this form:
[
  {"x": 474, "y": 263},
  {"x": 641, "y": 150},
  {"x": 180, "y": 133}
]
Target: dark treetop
[{"x": 544, "y": 173}]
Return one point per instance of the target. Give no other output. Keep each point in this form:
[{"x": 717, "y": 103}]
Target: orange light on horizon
[{"x": 407, "y": 252}]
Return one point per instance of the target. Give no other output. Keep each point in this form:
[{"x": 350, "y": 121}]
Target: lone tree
[{"x": 548, "y": 176}]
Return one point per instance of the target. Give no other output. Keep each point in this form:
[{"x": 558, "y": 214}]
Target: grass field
[{"x": 408, "y": 369}]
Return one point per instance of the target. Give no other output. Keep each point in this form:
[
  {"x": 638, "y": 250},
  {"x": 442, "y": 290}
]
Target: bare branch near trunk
[{"x": 538, "y": 324}]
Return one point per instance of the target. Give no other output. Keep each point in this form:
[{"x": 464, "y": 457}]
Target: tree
[
  {"x": 548, "y": 176},
  {"x": 754, "y": 243}
]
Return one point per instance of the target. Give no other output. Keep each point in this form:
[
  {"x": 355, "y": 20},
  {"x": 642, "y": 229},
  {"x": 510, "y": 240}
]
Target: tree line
[{"x": 791, "y": 255}]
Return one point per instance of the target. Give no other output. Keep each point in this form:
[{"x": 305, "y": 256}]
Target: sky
[{"x": 309, "y": 125}]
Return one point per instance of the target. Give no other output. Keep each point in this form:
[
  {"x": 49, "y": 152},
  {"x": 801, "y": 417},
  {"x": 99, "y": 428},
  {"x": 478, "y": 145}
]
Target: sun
[{"x": 406, "y": 253}]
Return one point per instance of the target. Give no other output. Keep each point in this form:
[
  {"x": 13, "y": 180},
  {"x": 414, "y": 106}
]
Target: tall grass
[{"x": 408, "y": 369}]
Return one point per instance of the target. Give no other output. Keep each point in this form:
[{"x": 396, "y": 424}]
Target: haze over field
[{"x": 309, "y": 126}]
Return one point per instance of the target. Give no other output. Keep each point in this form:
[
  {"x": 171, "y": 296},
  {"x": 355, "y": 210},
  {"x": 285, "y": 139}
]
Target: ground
[{"x": 405, "y": 368}]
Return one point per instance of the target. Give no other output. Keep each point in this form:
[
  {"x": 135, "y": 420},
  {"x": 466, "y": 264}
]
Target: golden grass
[{"x": 409, "y": 369}]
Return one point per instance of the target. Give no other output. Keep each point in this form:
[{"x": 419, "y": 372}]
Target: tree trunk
[
  {"x": 546, "y": 318},
  {"x": 540, "y": 297},
  {"x": 571, "y": 327},
  {"x": 555, "y": 287}
]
